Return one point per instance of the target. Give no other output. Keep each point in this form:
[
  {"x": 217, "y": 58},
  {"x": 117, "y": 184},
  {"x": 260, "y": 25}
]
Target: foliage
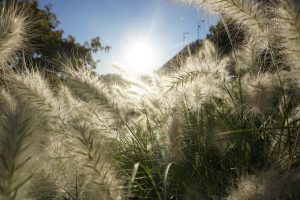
[
  {"x": 221, "y": 34},
  {"x": 49, "y": 43}
]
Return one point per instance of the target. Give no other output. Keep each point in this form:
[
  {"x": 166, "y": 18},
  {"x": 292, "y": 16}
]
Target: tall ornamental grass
[{"x": 224, "y": 125}]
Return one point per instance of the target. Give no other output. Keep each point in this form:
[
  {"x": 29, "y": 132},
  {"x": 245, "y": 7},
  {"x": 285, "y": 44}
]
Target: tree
[
  {"x": 49, "y": 44},
  {"x": 226, "y": 35}
]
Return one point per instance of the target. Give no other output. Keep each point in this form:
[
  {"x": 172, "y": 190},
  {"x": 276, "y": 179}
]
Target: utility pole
[
  {"x": 183, "y": 37},
  {"x": 199, "y": 26}
]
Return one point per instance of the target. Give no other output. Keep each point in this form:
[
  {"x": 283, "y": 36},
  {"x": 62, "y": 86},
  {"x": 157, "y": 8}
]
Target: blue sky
[{"x": 120, "y": 22}]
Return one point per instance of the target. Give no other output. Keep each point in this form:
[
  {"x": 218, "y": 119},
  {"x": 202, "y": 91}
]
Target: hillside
[{"x": 177, "y": 61}]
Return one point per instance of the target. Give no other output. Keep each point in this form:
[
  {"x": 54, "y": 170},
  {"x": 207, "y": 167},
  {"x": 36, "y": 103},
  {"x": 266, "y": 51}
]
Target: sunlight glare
[{"x": 140, "y": 58}]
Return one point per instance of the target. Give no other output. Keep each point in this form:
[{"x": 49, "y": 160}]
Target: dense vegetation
[{"x": 225, "y": 125}]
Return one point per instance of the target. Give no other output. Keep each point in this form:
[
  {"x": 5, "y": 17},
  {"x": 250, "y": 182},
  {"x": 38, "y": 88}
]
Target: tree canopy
[
  {"x": 226, "y": 34},
  {"x": 49, "y": 44}
]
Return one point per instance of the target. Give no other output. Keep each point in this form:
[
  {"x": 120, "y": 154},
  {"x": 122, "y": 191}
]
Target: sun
[{"x": 140, "y": 58}]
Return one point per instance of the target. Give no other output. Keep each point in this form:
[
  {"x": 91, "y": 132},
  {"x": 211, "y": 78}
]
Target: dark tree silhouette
[
  {"x": 226, "y": 35},
  {"x": 49, "y": 45}
]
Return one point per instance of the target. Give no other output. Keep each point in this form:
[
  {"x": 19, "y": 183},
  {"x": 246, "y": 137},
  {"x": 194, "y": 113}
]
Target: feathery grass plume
[
  {"x": 208, "y": 52},
  {"x": 88, "y": 128},
  {"x": 87, "y": 86},
  {"x": 81, "y": 146},
  {"x": 70, "y": 184},
  {"x": 196, "y": 75},
  {"x": 69, "y": 105},
  {"x": 268, "y": 184},
  {"x": 208, "y": 66},
  {"x": 156, "y": 107},
  {"x": 291, "y": 87},
  {"x": 73, "y": 108},
  {"x": 115, "y": 79},
  {"x": 252, "y": 61},
  {"x": 128, "y": 100},
  {"x": 43, "y": 187},
  {"x": 246, "y": 57},
  {"x": 6, "y": 101},
  {"x": 173, "y": 130},
  {"x": 18, "y": 138},
  {"x": 262, "y": 93},
  {"x": 248, "y": 188},
  {"x": 32, "y": 90},
  {"x": 255, "y": 61},
  {"x": 15, "y": 30},
  {"x": 288, "y": 23},
  {"x": 30, "y": 87},
  {"x": 93, "y": 158}
]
